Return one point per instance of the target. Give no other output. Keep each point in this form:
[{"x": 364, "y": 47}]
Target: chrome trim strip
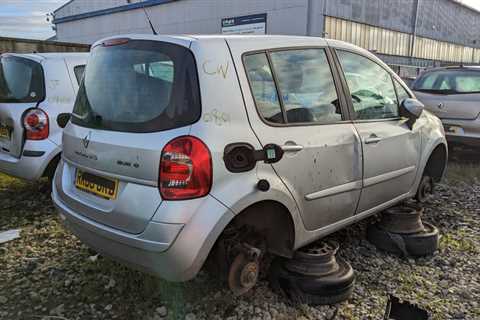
[
  {"x": 350, "y": 186},
  {"x": 387, "y": 176},
  {"x": 111, "y": 175}
]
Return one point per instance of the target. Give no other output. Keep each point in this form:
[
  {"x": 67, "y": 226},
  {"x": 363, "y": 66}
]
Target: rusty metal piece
[
  {"x": 315, "y": 260},
  {"x": 243, "y": 274},
  {"x": 398, "y": 310},
  {"x": 403, "y": 219}
]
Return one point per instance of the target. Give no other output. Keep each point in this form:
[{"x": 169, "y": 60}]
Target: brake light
[
  {"x": 35, "y": 122},
  {"x": 185, "y": 169}
]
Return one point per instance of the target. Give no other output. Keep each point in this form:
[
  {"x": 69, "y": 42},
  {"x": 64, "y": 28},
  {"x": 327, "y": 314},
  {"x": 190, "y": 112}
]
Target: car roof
[
  {"x": 198, "y": 37},
  {"x": 262, "y": 40},
  {"x": 460, "y": 67}
]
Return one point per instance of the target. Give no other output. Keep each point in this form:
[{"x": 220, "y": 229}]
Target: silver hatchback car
[
  {"x": 179, "y": 142},
  {"x": 453, "y": 94},
  {"x": 34, "y": 89}
]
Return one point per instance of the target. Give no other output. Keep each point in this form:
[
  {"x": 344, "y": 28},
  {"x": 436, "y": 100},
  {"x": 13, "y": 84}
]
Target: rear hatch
[
  {"x": 135, "y": 97},
  {"x": 21, "y": 88},
  {"x": 450, "y": 93}
]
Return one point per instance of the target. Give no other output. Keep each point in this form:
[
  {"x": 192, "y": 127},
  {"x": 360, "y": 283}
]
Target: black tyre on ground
[
  {"x": 414, "y": 244},
  {"x": 315, "y": 290}
]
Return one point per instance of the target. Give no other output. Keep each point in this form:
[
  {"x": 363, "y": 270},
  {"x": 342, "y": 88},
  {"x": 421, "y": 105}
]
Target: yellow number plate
[
  {"x": 99, "y": 186},
  {"x": 4, "y": 132}
]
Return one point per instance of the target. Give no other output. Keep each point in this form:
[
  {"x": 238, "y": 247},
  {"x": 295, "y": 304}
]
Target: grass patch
[
  {"x": 468, "y": 173},
  {"x": 458, "y": 243}
]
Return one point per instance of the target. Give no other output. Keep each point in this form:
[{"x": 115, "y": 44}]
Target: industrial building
[{"x": 417, "y": 33}]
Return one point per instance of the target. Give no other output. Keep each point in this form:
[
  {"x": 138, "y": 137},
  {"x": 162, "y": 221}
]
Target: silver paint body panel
[{"x": 333, "y": 181}]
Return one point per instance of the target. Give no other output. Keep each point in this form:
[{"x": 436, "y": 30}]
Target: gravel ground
[{"x": 49, "y": 274}]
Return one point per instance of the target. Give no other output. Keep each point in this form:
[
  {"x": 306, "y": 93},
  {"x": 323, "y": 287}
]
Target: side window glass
[
  {"x": 306, "y": 86},
  {"x": 79, "y": 70},
  {"x": 371, "y": 87},
  {"x": 402, "y": 94},
  {"x": 263, "y": 87}
]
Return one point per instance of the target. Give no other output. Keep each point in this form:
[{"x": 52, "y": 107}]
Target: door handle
[
  {"x": 372, "y": 139},
  {"x": 292, "y": 147}
]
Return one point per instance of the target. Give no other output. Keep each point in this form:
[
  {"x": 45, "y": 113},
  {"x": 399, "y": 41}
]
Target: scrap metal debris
[
  {"x": 9, "y": 235},
  {"x": 397, "y": 310}
]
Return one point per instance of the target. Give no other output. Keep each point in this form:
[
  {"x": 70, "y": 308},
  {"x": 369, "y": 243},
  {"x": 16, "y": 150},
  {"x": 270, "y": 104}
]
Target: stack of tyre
[
  {"x": 401, "y": 231},
  {"x": 314, "y": 275}
]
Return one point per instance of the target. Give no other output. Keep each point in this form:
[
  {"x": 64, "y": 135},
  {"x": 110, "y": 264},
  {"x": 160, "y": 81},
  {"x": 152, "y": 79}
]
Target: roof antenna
[{"x": 149, "y": 22}]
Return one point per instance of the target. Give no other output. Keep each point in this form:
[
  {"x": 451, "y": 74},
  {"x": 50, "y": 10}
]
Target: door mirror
[
  {"x": 412, "y": 109},
  {"x": 62, "y": 119}
]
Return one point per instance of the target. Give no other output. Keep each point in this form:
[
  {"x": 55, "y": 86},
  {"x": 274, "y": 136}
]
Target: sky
[{"x": 27, "y": 18}]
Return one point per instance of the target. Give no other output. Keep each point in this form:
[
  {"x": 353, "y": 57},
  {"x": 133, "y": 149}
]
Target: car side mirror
[
  {"x": 62, "y": 119},
  {"x": 412, "y": 109}
]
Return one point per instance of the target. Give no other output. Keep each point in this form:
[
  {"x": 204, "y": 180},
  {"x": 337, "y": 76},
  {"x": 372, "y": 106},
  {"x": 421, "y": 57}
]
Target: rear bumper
[
  {"x": 33, "y": 162},
  {"x": 172, "y": 251}
]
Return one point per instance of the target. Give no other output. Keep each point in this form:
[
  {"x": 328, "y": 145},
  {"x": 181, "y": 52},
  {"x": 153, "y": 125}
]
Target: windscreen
[
  {"x": 138, "y": 86},
  {"x": 449, "y": 82},
  {"x": 21, "y": 80}
]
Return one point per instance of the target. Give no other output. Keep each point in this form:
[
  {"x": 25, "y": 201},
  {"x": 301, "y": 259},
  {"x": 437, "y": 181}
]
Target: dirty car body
[
  {"x": 147, "y": 175},
  {"x": 453, "y": 94},
  {"x": 34, "y": 89}
]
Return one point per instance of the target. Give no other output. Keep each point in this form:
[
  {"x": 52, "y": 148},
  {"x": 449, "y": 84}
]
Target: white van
[{"x": 34, "y": 89}]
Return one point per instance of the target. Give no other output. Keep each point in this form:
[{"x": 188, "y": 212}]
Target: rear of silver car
[
  {"x": 128, "y": 159},
  {"x": 453, "y": 94},
  {"x": 23, "y": 126}
]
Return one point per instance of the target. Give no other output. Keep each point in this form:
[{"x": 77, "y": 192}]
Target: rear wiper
[{"x": 96, "y": 118}]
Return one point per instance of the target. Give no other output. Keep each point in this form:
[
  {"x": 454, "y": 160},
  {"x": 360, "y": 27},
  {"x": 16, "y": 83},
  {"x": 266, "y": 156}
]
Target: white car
[{"x": 34, "y": 90}]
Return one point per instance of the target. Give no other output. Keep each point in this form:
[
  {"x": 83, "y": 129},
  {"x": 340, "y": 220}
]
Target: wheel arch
[
  {"x": 436, "y": 163},
  {"x": 273, "y": 221},
  {"x": 51, "y": 166}
]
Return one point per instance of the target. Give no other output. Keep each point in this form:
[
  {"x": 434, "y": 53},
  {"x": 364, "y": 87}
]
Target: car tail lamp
[
  {"x": 35, "y": 122},
  {"x": 185, "y": 169}
]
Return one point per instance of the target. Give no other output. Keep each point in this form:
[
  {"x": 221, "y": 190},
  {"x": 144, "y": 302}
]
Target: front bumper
[
  {"x": 33, "y": 162},
  {"x": 172, "y": 251}
]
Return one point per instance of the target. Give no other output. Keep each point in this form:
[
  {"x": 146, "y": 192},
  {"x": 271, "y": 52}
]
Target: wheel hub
[
  {"x": 315, "y": 260},
  {"x": 404, "y": 219},
  {"x": 243, "y": 274}
]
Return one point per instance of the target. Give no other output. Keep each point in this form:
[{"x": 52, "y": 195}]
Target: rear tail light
[
  {"x": 35, "y": 122},
  {"x": 185, "y": 169}
]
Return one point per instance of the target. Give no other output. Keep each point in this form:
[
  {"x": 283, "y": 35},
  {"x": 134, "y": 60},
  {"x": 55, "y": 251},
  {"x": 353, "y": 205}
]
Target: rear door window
[
  {"x": 302, "y": 91},
  {"x": 306, "y": 86},
  {"x": 138, "y": 86},
  {"x": 21, "y": 80},
  {"x": 263, "y": 87}
]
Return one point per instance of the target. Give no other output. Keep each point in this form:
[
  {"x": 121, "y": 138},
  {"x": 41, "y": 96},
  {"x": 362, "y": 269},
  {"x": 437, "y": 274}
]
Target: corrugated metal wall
[{"x": 383, "y": 25}]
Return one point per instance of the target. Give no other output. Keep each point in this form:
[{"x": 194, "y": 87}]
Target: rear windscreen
[
  {"x": 449, "y": 82},
  {"x": 21, "y": 80},
  {"x": 138, "y": 86}
]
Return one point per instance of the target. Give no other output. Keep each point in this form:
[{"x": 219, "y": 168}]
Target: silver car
[
  {"x": 34, "y": 89},
  {"x": 179, "y": 146},
  {"x": 453, "y": 94}
]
